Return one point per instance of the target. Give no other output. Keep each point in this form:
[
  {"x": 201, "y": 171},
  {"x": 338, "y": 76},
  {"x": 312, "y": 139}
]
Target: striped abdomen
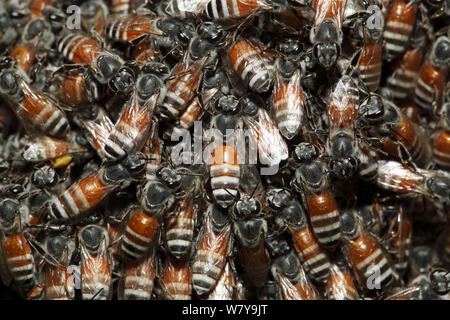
[
  {"x": 137, "y": 282},
  {"x": 79, "y": 198},
  {"x": 401, "y": 82},
  {"x": 58, "y": 285},
  {"x": 76, "y": 90},
  {"x": 315, "y": 261},
  {"x": 250, "y": 66},
  {"x": 343, "y": 105},
  {"x": 20, "y": 260},
  {"x": 229, "y": 9},
  {"x": 399, "y": 24},
  {"x": 412, "y": 138},
  {"x": 130, "y": 131},
  {"x": 42, "y": 112},
  {"x": 225, "y": 174},
  {"x": 80, "y": 49},
  {"x": 121, "y": 6},
  {"x": 287, "y": 103},
  {"x": 131, "y": 27},
  {"x": 428, "y": 86},
  {"x": 393, "y": 176},
  {"x": 210, "y": 260},
  {"x": 370, "y": 65},
  {"x": 367, "y": 258},
  {"x": 145, "y": 51},
  {"x": 191, "y": 114},
  {"x": 441, "y": 149},
  {"x": 224, "y": 289},
  {"x": 181, "y": 89},
  {"x": 180, "y": 229},
  {"x": 140, "y": 235},
  {"x": 341, "y": 286},
  {"x": 185, "y": 8},
  {"x": 95, "y": 278},
  {"x": 177, "y": 280},
  {"x": 325, "y": 219}
]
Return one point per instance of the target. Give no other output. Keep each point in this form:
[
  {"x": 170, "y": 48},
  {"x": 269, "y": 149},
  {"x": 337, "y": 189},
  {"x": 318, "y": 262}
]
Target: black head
[
  {"x": 9, "y": 209},
  {"x": 228, "y": 104},
  {"x": 123, "y": 80},
  {"x": 55, "y": 17},
  {"x": 107, "y": 67},
  {"x": 290, "y": 47},
  {"x": 8, "y": 83},
  {"x": 56, "y": 245},
  {"x": 342, "y": 145},
  {"x": 157, "y": 68},
  {"x": 439, "y": 186},
  {"x": 212, "y": 32},
  {"x": 170, "y": 177},
  {"x": 199, "y": 48},
  {"x": 156, "y": 196},
  {"x": 440, "y": 280},
  {"x": 288, "y": 265},
  {"x": 349, "y": 224},
  {"x": 286, "y": 67},
  {"x": 311, "y": 174},
  {"x": 441, "y": 51},
  {"x": 15, "y": 190},
  {"x": 250, "y": 232},
  {"x": 278, "y": 198},
  {"x": 372, "y": 110},
  {"x": 44, "y": 177},
  {"x": 34, "y": 28},
  {"x": 18, "y": 15},
  {"x": 305, "y": 152},
  {"x": 147, "y": 85},
  {"x": 135, "y": 163},
  {"x": 344, "y": 168},
  {"x": 91, "y": 236},
  {"x": 247, "y": 207}
]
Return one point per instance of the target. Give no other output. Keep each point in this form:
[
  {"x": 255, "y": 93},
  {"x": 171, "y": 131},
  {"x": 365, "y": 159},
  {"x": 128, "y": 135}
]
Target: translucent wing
[
  {"x": 329, "y": 9},
  {"x": 97, "y": 131}
]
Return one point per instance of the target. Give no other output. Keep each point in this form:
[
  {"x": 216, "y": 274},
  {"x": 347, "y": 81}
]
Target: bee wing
[
  {"x": 97, "y": 268},
  {"x": 192, "y": 6},
  {"x": 5, "y": 274},
  {"x": 287, "y": 101},
  {"x": 339, "y": 287},
  {"x": 404, "y": 294},
  {"x": 178, "y": 273},
  {"x": 224, "y": 289},
  {"x": 343, "y": 103},
  {"x": 265, "y": 135},
  {"x": 97, "y": 132},
  {"x": 33, "y": 150},
  {"x": 394, "y": 176},
  {"x": 329, "y": 9}
]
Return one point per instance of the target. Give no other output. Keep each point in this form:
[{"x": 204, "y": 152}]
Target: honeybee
[{"x": 340, "y": 286}]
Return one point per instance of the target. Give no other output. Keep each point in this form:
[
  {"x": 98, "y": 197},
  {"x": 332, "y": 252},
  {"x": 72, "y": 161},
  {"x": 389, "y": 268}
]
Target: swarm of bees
[{"x": 346, "y": 104}]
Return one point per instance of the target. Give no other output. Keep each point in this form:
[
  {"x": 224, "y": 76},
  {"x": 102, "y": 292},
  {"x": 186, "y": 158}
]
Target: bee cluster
[{"x": 345, "y": 103}]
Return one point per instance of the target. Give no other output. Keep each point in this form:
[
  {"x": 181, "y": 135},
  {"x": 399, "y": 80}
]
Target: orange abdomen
[
  {"x": 441, "y": 149},
  {"x": 56, "y": 283},
  {"x": 24, "y": 56},
  {"x": 177, "y": 280}
]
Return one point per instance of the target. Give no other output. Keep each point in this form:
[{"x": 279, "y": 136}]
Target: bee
[
  {"x": 36, "y": 110},
  {"x": 88, "y": 192},
  {"x": 250, "y": 230},
  {"x": 107, "y": 67},
  {"x": 15, "y": 249},
  {"x": 326, "y": 34},
  {"x": 137, "y": 279},
  {"x": 233, "y": 9},
  {"x": 59, "y": 284},
  {"x": 176, "y": 280},
  {"x": 287, "y": 98},
  {"x": 342, "y": 113},
  {"x": 96, "y": 268},
  {"x": 314, "y": 259},
  {"x": 399, "y": 24},
  {"x": 212, "y": 248},
  {"x": 430, "y": 81},
  {"x": 397, "y": 131},
  {"x": 340, "y": 286},
  {"x": 399, "y": 240},
  {"x": 251, "y": 64},
  {"x": 396, "y": 177},
  {"x": 133, "y": 126},
  {"x": 365, "y": 254},
  {"x": 310, "y": 180},
  {"x": 141, "y": 234},
  {"x": 186, "y": 80},
  {"x": 291, "y": 277}
]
